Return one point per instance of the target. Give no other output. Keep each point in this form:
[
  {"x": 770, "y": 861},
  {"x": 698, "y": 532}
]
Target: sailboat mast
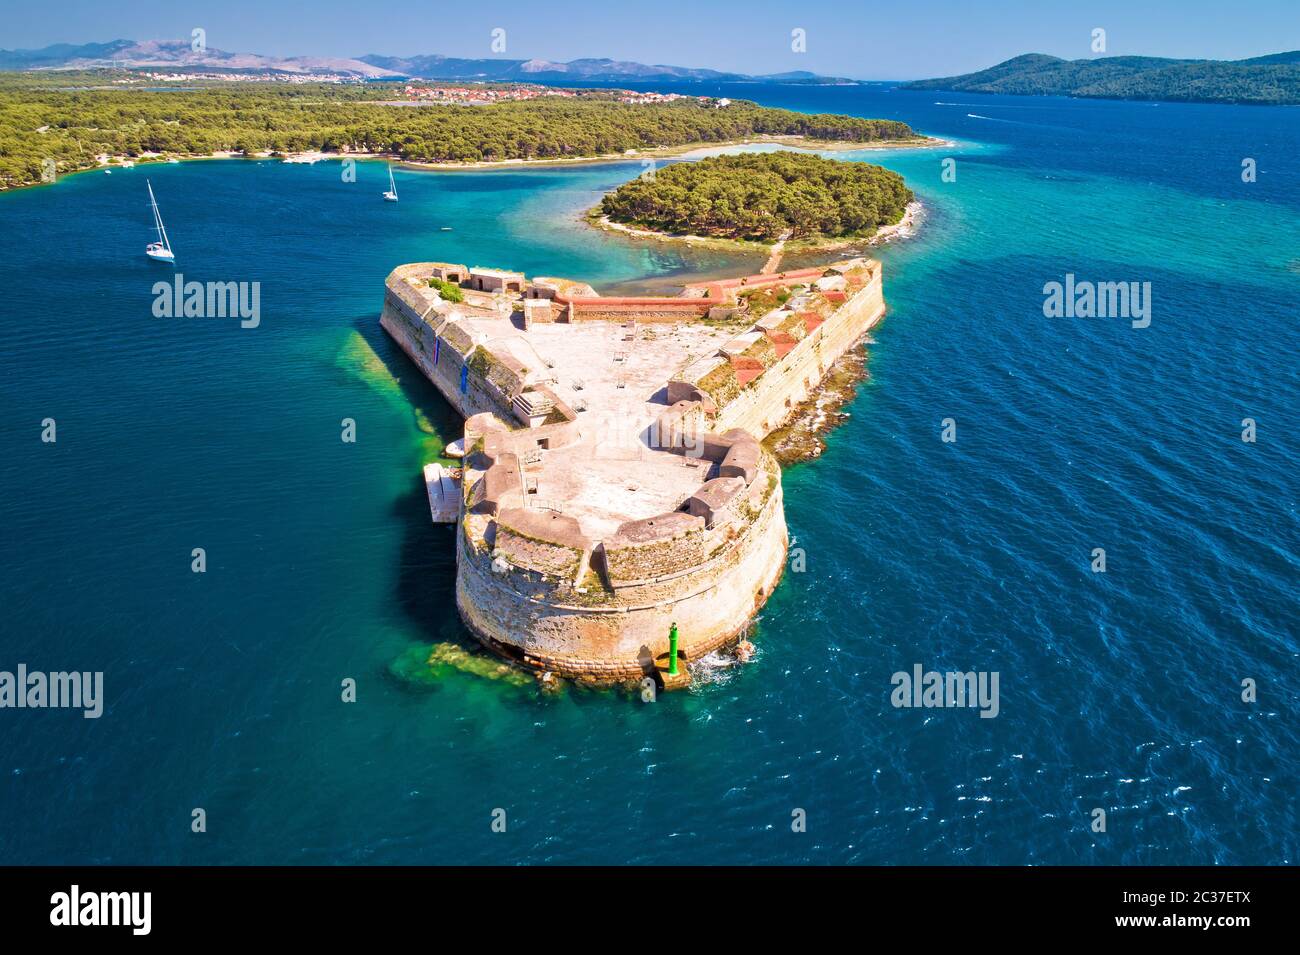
[{"x": 157, "y": 219}]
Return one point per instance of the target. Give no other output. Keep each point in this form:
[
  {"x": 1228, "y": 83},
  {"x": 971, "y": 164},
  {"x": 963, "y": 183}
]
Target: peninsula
[
  {"x": 618, "y": 517},
  {"x": 56, "y": 125}
]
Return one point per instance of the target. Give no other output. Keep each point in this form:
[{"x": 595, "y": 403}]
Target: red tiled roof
[
  {"x": 746, "y": 369},
  {"x": 782, "y": 342}
]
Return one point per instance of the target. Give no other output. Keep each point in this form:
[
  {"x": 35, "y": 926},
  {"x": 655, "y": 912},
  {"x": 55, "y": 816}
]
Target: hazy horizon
[{"x": 926, "y": 39}]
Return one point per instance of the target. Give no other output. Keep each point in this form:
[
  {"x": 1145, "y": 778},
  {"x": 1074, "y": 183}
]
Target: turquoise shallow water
[{"x": 1119, "y": 691}]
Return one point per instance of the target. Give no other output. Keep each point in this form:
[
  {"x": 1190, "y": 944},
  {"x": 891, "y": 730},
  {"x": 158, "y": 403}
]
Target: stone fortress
[{"x": 614, "y": 483}]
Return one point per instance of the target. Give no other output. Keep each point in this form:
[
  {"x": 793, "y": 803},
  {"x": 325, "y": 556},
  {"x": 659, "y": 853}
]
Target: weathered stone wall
[
  {"x": 686, "y": 312},
  {"x": 442, "y": 348},
  {"x": 540, "y": 541},
  {"x": 656, "y": 548},
  {"x": 416, "y": 337},
  {"x": 618, "y": 640},
  {"x": 766, "y": 403}
]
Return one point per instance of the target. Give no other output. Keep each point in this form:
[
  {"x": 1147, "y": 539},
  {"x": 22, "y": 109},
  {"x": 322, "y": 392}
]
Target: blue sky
[{"x": 895, "y": 39}]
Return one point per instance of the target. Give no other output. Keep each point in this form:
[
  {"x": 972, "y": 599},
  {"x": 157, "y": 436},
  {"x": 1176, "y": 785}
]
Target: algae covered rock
[
  {"x": 411, "y": 668},
  {"x": 424, "y": 667},
  {"x": 446, "y": 658}
]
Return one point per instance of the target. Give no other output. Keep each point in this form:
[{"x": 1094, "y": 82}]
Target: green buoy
[{"x": 672, "y": 650}]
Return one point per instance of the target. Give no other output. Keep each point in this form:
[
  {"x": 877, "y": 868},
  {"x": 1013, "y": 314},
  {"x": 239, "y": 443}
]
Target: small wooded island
[{"x": 762, "y": 197}]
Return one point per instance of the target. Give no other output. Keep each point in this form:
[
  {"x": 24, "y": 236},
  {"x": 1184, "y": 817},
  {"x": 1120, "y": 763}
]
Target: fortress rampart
[{"x": 614, "y": 483}]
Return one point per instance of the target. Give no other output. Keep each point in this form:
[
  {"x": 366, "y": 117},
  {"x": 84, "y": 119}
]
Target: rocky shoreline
[
  {"x": 803, "y": 435},
  {"x": 687, "y": 151}
]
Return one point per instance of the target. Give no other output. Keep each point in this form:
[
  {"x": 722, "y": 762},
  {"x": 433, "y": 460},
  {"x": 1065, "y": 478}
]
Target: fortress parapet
[{"x": 614, "y": 480}]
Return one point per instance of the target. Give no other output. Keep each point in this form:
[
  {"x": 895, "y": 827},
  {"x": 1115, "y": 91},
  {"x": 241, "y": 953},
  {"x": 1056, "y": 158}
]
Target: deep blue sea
[{"x": 1120, "y": 690}]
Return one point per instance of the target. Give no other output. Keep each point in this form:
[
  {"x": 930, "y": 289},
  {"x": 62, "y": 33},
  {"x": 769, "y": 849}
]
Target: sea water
[{"x": 1119, "y": 690}]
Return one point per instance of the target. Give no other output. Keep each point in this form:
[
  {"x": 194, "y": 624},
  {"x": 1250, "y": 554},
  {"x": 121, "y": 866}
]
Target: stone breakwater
[{"x": 614, "y": 480}]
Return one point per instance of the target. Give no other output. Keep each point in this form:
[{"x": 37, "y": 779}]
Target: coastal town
[
  {"x": 467, "y": 93},
  {"x": 228, "y": 76},
  {"x": 484, "y": 94}
]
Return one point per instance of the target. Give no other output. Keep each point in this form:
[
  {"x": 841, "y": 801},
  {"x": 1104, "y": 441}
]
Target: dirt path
[{"x": 774, "y": 259}]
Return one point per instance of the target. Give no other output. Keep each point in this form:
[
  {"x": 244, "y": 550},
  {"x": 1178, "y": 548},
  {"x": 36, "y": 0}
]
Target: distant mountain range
[
  {"x": 590, "y": 70},
  {"x": 1273, "y": 79},
  {"x": 178, "y": 55},
  {"x": 174, "y": 54}
]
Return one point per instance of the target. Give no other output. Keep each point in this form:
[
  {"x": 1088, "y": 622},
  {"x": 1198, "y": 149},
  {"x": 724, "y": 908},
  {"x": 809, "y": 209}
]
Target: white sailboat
[
  {"x": 391, "y": 194},
  {"x": 162, "y": 249}
]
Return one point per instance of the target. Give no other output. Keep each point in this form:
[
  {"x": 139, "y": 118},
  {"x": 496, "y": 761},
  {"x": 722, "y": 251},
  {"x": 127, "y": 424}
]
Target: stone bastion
[{"x": 614, "y": 480}]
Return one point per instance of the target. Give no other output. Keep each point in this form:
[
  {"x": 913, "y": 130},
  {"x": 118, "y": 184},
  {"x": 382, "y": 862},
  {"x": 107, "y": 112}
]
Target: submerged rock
[
  {"x": 360, "y": 360},
  {"x": 424, "y": 667},
  {"x": 550, "y": 684},
  {"x": 446, "y": 657},
  {"x": 411, "y": 668}
]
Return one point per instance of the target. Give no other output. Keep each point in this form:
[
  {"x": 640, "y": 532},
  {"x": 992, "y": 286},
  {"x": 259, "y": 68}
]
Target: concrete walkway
[{"x": 444, "y": 494}]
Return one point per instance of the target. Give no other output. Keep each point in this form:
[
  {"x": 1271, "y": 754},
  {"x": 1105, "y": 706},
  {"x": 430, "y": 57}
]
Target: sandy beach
[{"x": 688, "y": 151}]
